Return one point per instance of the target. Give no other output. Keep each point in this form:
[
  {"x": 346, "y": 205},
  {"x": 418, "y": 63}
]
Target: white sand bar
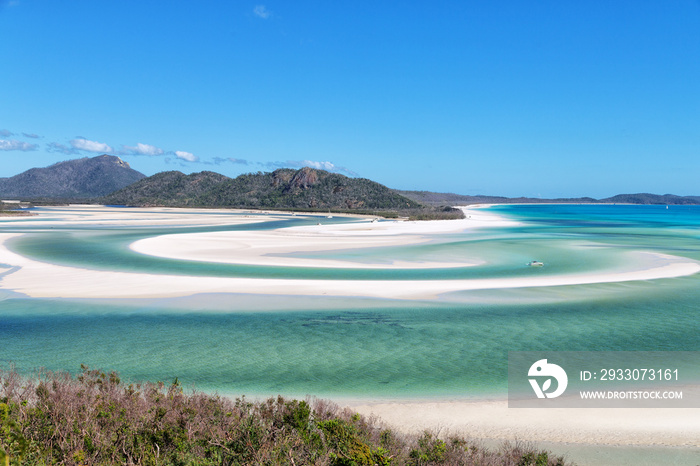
[{"x": 267, "y": 247}]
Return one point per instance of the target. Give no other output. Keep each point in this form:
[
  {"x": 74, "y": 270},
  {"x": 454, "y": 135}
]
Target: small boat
[{"x": 535, "y": 264}]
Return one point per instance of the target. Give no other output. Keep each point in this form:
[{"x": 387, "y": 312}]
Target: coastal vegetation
[
  {"x": 14, "y": 209},
  {"x": 95, "y": 418},
  {"x": 306, "y": 188}
]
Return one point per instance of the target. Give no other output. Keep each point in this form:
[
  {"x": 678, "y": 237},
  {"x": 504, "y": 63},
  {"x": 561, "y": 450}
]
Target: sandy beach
[
  {"x": 492, "y": 419},
  {"x": 591, "y": 436},
  {"x": 486, "y": 419}
]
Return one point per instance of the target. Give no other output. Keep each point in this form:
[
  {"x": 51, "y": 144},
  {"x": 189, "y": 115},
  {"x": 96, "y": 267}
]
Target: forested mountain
[
  {"x": 74, "y": 179},
  {"x": 303, "y": 189}
]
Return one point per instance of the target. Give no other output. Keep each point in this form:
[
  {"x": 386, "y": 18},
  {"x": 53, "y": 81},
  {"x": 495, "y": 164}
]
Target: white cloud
[
  {"x": 328, "y": 166},
  {"x": 31, "y": 135},
  {"x": 90, "y": 146},
  {"x": 143, "y": 149},
  {"x": 187, "y": 156},
  {"x": 57, "y": 147},
  {"x": 261, "y": 12},
  {"x": 220, "y": 160},
  {"x": 13, "y": 144},
  {"x": 6, "y": 133}
]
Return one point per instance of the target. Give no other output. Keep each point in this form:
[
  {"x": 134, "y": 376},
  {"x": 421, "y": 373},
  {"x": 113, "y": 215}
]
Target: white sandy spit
[{"x": 266, "y": 247}]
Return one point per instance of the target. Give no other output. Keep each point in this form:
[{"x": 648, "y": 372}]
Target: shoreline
[
  {"x": 587, "y": 436},
  {"x": 489, "y": 418},
  {"x": 492, "y": 419}
]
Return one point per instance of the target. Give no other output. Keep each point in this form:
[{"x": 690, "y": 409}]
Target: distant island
[
  {"x": 107, "y": 179},
  {"x": 431, "y": 198}
]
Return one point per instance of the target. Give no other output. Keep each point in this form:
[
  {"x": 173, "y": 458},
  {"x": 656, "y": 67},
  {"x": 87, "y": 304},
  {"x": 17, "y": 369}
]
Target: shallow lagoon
[{"x": 451, "y": 347}]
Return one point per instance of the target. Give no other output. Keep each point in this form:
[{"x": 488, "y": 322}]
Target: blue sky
[{"x": 548, "y": 98}]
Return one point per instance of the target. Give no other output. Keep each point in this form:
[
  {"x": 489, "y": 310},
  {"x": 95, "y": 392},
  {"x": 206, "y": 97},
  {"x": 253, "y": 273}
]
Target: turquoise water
[{"x": 453, "y": 346}]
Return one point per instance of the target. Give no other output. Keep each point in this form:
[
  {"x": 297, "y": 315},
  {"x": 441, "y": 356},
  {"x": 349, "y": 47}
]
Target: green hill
[
  {"x": 172, "y": 189},
  {"x": 305, "y": 189}
]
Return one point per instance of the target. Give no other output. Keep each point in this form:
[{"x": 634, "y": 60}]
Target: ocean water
[{"x": 455, "y": 346}]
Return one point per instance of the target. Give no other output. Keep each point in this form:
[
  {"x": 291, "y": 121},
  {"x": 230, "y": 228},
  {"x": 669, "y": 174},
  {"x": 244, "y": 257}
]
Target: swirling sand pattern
[{"x": 415, "y": 313}]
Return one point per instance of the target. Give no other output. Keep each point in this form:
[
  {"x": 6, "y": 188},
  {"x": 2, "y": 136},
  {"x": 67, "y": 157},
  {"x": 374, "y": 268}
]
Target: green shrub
[
  {"x": 14, "y": 446},
  {"x": 95, "y": 418},
  {"x": 348, "y": 447},
  {"x": 430, "y": 450}
]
